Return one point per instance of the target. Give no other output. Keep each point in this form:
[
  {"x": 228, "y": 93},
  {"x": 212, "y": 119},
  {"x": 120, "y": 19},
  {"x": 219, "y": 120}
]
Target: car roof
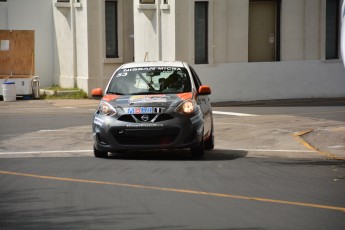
[{"x": 155, "y": 63}]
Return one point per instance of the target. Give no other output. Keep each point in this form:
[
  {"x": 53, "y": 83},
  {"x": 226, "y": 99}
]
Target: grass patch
[{"x": 64, "y": 93}]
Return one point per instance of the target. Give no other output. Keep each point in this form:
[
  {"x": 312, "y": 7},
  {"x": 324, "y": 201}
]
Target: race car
[{"x": 153, "y": 105}]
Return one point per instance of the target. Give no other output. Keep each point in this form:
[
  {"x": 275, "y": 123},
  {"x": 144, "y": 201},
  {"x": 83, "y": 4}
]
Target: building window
[
  {"x": 147, "y": 1},
  {"x": 332, "y": 29},
  {"x": 201, "y": 32},
  {"x": 111, "y": 29}
]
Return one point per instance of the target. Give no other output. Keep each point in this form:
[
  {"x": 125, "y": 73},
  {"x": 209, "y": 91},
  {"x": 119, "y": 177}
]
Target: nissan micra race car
[{"x": 153, "y": 105}]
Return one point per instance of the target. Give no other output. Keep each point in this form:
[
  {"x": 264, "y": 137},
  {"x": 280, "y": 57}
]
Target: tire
[
  {"x": 209, "y": 144},
  {"x": 99, "y": 154},
  {"x": 199, "y": 150}
]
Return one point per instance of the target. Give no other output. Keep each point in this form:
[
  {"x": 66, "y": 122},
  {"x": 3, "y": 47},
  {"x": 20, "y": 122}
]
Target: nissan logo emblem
[{"x": 145, "y": 117}]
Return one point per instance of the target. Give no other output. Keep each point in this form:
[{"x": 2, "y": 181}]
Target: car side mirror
[
  {"x": 97, "y": 93},
  {"x": 204, "y": 90}
]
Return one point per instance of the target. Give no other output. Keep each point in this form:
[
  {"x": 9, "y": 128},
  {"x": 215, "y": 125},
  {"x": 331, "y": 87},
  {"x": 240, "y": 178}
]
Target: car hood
[{"x": 150, "y": 100}]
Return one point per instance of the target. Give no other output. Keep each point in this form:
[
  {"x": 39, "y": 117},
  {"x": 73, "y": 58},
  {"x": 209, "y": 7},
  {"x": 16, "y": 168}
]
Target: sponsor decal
[
  {"x": 142, "y": 110},
  {"x": 147, "y": 98},
  {"x": 195, "y": 119},
  {"x": 98, "y": 121},
  {"x": 160, "y": 68},
  {"x": 110, "y": 97},
  {"x": 157, "y": 110},
  {"x": 144, "y": 125}
]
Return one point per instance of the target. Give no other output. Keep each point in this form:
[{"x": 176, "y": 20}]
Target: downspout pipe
[
  {"x": 159, "y": 30},
  {"x": 342, "y": 35}
]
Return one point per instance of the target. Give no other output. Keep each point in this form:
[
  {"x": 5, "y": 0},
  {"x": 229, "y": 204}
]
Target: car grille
[
  {"x": 136, "y": 118},
  {"x": 146, "y": 136}
]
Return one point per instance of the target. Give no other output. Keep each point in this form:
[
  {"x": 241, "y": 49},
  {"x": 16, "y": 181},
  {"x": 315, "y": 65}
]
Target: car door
[{"x": 205, "y": 104}]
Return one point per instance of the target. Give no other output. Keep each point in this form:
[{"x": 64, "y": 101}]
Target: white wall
[
  {"x": 33, "y": 15},
  {"x": 146, "y": 31},
  {"x": 302, "y": 73},
  {"x": 168, "y": 32},
  {"x": 230, "y": 33},
  {"x": 3, "y": 16},
  {"x": 183, "y": 30},
  {"x": 292, "y": 30},
  {"x": 342, "y": 37},
  {"x": 80, "y": 39},
  {"x": 280, "y": 80},
  {"x": 64, "y": 63},
  {"x": 312, "y": 28},
  {"x": 82, "y": 43}
]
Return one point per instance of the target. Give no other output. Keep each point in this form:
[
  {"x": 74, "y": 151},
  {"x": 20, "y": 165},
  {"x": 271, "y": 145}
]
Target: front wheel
[
  {"x": 209, "y": 144},
  {"x": 199, "y": 150},
  {"x": 99, "y": 154}
]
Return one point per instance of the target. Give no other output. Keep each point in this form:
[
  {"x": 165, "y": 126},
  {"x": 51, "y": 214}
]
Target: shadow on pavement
[
  {"x": 179, "y": 155},
  {"x": 314, "y": 162}
]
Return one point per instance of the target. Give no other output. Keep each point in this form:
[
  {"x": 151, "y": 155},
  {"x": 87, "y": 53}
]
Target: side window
[
  {"x": 200, "y": 32},
  {"x": 111, "y": 30},
  {"x": 195, "y": 78},
  {"x": 332, "y": 29}
]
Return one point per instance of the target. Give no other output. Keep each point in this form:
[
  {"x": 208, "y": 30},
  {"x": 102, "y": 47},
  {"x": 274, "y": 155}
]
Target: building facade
[
  {"x": 244, "y": 49},
  {"x": 248, "y": 49},
  {"x": 93, "y": 38},
  {"x": 35, "y": 15}
]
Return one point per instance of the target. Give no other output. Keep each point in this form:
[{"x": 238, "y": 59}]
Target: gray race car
[{"x": 153, "y": 105}]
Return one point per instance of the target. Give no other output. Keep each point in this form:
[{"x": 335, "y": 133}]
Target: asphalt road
[
  {"x": 336, "y": 113},
  {"x": 261, "y": 175}
]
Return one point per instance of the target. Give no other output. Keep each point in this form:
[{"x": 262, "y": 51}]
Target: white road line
[
  {"x": 64, "y": 130},
  {"x": 238, "y": 124},
  {"x": 234, "y": 114},
  {"x": 50, "y": 130},
  {"x": 44, "y": 152},
  {"x": 272, "y": 150}
]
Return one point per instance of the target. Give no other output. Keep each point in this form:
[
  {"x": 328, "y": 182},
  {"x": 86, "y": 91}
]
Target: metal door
[{"x": 262, "y": 33}]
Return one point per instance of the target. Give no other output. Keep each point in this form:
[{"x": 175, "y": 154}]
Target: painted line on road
[
  {"x": 234, "y": 114},
  {"x": 273, "y": 150},
  {"x": 63, "y": 130},
  {"x": 45, "y": 152},
  {"x": 298, "y": 137},
  {"x": 310, "y": 205}
]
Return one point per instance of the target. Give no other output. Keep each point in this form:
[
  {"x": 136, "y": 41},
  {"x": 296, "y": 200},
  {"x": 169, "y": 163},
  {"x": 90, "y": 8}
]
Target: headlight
[
  {"x": 104, "y": 108},
  {"x": 186, "y": 107}
]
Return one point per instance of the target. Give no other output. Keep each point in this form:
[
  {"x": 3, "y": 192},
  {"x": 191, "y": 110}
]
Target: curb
[{"x": 298, "y": 137}]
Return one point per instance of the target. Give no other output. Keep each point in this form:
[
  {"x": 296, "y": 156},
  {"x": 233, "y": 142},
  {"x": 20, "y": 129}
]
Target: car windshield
[{"x": 150, "y": 80}]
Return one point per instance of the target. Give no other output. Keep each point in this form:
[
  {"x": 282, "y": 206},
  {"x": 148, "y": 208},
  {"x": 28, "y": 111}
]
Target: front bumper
[{"x": 111, "y": 134}]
